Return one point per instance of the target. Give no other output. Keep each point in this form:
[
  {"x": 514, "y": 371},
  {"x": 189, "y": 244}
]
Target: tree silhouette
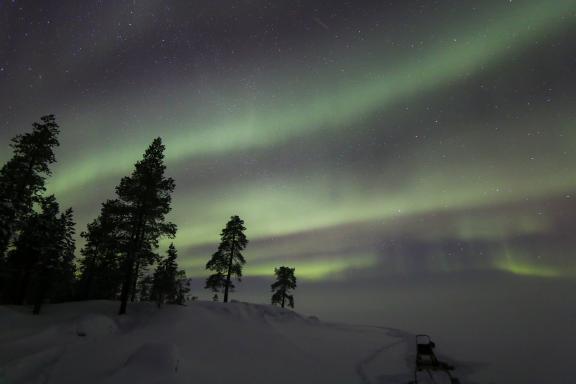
[
  {"x": 42, "y": 259},
  {"x": 164, "y": 286},
  {"x": 100, "y": 269},
  {"x": 285, "y": 282},
  {"x": 227, "y": 261},
  {"x": 215, "y": 282},
  {"x": 182, "y": 288},
  {"x": 22, "y": 177},
  {"x": 56, "y": 264},
  {"x": 145, "y": 285},
  {"x": 144, "y": 200}
]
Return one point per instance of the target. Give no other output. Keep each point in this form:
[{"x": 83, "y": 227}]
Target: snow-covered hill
[{"x": 203, "y": 342}]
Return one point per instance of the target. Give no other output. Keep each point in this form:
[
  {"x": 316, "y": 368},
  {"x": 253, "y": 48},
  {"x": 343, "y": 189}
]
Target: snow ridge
[{"x": 204, "y": 342}]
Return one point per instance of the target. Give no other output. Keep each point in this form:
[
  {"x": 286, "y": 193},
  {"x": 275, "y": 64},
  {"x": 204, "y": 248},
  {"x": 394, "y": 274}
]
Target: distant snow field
[{"x": 203, "y": 342}]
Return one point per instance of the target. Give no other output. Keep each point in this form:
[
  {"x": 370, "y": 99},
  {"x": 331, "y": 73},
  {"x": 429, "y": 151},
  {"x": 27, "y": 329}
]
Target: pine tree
[
  {"x": 145, "y": 286},
  {"x": 140, "y": 272},
  {"x": 43, "y": 256},
  {"x": 145, "y": 198},
  {"x": 182, "y": 288},
  {"x": 285, "y": 281},
  {"x": 215, "y": 283},
  {"x": 22, "y": 177},
  {"x": 54, "y": 274},
  {"x": 227, "y": 261},
  {"x": 64, "y": 281},
  {"x": 165, "y": 285},
  {"x": 100, "y": 269},
  {"x": 25, "y": 254}
]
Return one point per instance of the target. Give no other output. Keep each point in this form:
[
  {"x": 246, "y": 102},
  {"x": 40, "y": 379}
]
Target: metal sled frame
[{"x": 426, "y": 360}]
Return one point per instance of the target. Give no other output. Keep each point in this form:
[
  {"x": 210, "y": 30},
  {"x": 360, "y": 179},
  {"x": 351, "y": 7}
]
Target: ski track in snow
[
  {"x": 62, "y": 346},
  {"x": 364, "y": 379}
]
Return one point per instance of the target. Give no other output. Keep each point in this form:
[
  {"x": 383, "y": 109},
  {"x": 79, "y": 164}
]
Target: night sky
[{"x": 360, "y": 140}]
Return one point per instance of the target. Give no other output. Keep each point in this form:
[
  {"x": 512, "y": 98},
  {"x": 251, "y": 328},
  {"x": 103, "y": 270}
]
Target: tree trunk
[
  {"x": 283, "y": 298},
  {"x": 37, "y": 306},
  {"x": 23, "y": 286},
  {"x": 135, "y": 281},
  {"x": 227, "y": 284},
  {"x": 130, "y": 259},
  {"x": 40, "y": 293},
  {"x": 9, "y": 230},
  {"x": 126, "y": 284},
  {"x": 229, "y": 271},
  {"x": 89, "y": 273}
]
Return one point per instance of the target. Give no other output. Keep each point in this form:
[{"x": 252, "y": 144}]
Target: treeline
[{"x": 120, "y": 259}]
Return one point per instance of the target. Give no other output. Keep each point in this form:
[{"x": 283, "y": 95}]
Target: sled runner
[{"x": 426, "y": 360}]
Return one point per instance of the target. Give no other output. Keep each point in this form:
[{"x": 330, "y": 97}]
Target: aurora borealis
[{"x": 355, "y": 138}]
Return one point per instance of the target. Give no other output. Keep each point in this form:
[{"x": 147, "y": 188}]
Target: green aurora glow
[
  {"x": 480, "y": 47},
  {"x": 222, "y": 123}
]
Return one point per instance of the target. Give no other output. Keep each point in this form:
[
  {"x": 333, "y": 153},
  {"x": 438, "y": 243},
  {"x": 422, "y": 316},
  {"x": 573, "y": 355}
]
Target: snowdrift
[{"x": 203, "y": 342}]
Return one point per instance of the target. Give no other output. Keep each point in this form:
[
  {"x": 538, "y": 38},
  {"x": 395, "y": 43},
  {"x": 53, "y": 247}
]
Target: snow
[
  {"x": 95, "y": 325},
  {"x": 151, "y": 363},
  {"x": 203, "y": 342}
]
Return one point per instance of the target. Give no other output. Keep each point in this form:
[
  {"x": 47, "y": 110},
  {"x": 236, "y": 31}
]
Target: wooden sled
[{"x": 426, "y": 360}]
